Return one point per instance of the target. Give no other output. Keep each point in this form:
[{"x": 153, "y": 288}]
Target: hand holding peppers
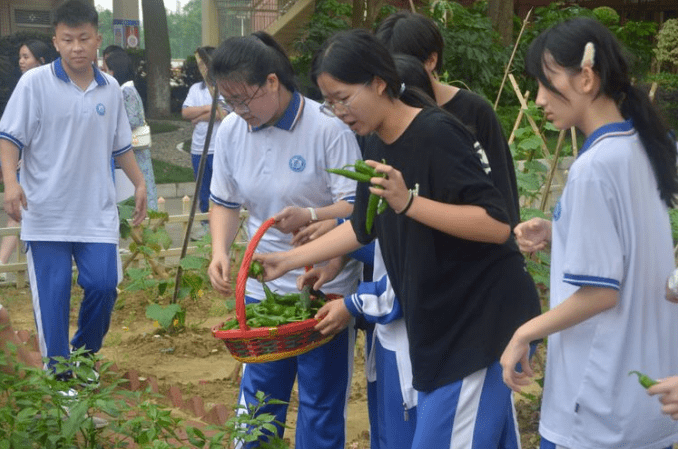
[
  {"x": 387, "y": 187},
  {"x": 668, "y": 391}
]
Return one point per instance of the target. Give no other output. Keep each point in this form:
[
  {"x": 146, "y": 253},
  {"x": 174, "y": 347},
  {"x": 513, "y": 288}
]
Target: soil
[{"x": 201, "y": 365}]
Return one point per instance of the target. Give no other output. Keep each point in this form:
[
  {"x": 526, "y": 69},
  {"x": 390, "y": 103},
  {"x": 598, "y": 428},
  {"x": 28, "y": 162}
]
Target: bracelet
[
  {"x": 314, "y": 215},
  {"x": 413, "y": 192}
]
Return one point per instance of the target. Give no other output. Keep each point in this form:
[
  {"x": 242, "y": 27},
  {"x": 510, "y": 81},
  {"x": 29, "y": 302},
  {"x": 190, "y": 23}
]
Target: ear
[
  {"x": 431, "y": 62},
  {"x": 588, "y": 80},
  {"x": 272, "y": 82},
  {"x": 379, "y": 84},
  {"x": 54, "y": 42}
]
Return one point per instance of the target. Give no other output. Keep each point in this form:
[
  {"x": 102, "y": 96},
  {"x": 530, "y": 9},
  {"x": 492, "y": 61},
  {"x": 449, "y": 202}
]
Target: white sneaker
[{"x": 72, "y": 396}]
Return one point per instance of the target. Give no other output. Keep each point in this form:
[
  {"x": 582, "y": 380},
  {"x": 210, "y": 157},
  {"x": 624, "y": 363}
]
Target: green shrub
[
  {"x": 606, "y": 15},
  {"x": 667, "y": 45},
  {"x": 473, "y": 56}
]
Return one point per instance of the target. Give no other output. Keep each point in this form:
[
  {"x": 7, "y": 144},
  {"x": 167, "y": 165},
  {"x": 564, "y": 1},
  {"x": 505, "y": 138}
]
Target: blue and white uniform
[
  {"x": 266, "y": 169},
  {"x": 611, "y": 230},
  {"x": 199, "y": 95},
  {"x": 392, "y": 400},
  {"x": 67, "y": 137}
]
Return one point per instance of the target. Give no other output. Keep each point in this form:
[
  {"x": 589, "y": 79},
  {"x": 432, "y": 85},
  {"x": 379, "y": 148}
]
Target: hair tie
[
  {"x": 402, "y": 88},
  {"x": 589, "y": 55}
]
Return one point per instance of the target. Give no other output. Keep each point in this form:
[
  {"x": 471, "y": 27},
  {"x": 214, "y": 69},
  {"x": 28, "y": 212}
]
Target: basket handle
[{"x": 241, "y": 280}]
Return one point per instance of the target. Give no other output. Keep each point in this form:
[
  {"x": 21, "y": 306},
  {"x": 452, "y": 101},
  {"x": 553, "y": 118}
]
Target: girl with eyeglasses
[
  {"x": 270, "y": 158},
  {"x": 460, "y": 280}
]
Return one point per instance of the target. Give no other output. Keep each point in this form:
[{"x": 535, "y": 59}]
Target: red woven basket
[{"x": 266, "y": 344}]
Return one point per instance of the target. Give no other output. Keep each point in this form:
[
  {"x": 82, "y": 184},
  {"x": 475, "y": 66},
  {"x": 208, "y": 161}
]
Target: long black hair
[
  {"x": 40, "y": 50},
  {"x": 565, "y": 42},
  {"x": 412, "y": 34},
  {"x": 357, "y": 57},
  {"x": 253, "y": 58},
  {"x": 120, "y": 63}
]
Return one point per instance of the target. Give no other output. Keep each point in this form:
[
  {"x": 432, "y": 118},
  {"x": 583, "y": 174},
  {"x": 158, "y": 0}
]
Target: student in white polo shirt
[
  {"x": 611, "y": 251},
  {"x": 197, "y": 108},
  {"x": 67, "y": 119},
  {"x": 271, "y": 157}
]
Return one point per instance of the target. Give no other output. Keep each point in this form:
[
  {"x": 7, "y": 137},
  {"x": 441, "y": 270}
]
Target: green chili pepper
[
  {"x": 372, "y": 206},
  {"x": 362, "y": 167},
  {"x": 360, "y": 177},
  {"x": 256, "y": 270},
  {"x": 644, "y": 380}
]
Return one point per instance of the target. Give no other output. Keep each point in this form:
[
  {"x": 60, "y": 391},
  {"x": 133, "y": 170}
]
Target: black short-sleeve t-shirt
[
  {"x": 477, "y": 114},
  {"x": 462, "y": 300}
]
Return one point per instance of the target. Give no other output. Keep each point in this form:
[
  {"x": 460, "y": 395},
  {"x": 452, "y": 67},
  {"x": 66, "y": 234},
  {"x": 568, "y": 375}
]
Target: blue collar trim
[
  {"x": 609, "y": 130},
  {"x": 60, "y": 72},
  {"x": 291, "y": 115}
]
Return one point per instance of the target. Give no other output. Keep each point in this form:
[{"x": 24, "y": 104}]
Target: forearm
[
  {"x": 463, "y": 221},
  {"x": 9, "y": 157},
  {"x": 585, "y": 303},
  {"x": 224, "y": 225},
  {"x": 194, "y": 112},
  {"x": 129, "y": 165},
  {"x": 340, "y": 209},
  {"x": 339, "y": 241}
]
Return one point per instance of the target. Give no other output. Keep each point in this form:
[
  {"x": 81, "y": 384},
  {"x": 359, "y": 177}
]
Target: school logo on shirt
[
  {"x": 297, "y": 163},
  {"x": 101, "y": 109},
  {"x": 557, "y": 210}
]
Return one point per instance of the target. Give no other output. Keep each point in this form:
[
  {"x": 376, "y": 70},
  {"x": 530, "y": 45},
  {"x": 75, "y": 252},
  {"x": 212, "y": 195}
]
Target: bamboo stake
[
  {"x": 653, "y": 91},
  {"x": 513, "y": 54},
  {"x": 552, "y": 171},
  {"x": 202, "y": 65},
  {"x": 523, "y": 104},
  {"x": 521, "y": 112}
]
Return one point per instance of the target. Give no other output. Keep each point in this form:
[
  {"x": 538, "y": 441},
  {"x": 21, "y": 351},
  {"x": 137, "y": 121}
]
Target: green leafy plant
[{"x": 667, "y": 45}]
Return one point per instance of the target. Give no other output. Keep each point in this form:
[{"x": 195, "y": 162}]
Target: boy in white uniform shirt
[{"x": 68, "y": 119}]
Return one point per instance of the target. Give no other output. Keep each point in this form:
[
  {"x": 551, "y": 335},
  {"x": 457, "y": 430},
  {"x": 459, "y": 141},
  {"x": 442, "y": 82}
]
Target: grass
[
  {"x": 166, "y": 173},
  {"x": 161, "y": 127}
]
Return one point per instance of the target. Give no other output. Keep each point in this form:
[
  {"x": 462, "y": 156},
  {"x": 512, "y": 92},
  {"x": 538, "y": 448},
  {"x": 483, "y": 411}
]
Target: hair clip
[
  {"x": 589, "y": 55},
  {"x": 402, "y": 88}
]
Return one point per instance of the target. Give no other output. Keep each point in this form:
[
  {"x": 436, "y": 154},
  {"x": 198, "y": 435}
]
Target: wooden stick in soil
[
  {"x": 198, "y": 181},
  {"x": 519, "y": 119},
  {"x": 513, "y": 54},
  {"x": 554, "y": 167}
]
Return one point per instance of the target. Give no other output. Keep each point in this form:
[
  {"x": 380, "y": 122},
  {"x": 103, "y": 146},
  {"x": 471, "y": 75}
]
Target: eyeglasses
[
  {"x": 244, "y": 105},
  {"x": 339, "y": 107}
]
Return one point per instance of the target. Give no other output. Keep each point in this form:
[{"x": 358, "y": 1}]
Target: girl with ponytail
[
  {"x": 611, "y": 251},
  {"x": 445, "y": 239}
]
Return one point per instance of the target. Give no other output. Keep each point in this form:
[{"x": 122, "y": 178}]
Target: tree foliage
[{"x": 667, "y": 45}]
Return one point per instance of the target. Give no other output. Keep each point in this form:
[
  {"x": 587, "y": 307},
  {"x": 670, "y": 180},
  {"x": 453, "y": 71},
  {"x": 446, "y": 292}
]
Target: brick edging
[{"x": 194, "y": 406}]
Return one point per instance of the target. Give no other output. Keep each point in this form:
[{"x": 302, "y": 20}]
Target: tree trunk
[
  {"x": 158, "y": 58},
  {"x": 500, "y": 13}
]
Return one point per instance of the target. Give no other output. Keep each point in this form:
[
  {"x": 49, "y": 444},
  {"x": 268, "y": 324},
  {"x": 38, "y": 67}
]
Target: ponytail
[
  {"x": 253, "y": 57},
  {"x": 659, "y": 145}
]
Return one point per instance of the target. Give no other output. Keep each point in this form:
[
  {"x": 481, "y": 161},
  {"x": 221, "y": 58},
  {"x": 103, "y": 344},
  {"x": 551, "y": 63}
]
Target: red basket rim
[{"x": 241, "y": 280}]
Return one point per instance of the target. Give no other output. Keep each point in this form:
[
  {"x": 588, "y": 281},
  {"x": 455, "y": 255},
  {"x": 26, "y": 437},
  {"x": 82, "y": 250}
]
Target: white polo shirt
[
  {"x": 268, "y": 169},
  {"x": 199, "y": 95},
  {"x": 611, "y": 230},
  {"x": 67, "y": 137}
]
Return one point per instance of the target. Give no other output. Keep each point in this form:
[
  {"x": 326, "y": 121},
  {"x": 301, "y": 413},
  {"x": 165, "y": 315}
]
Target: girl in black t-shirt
[{"x": 445, "y": 240}]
